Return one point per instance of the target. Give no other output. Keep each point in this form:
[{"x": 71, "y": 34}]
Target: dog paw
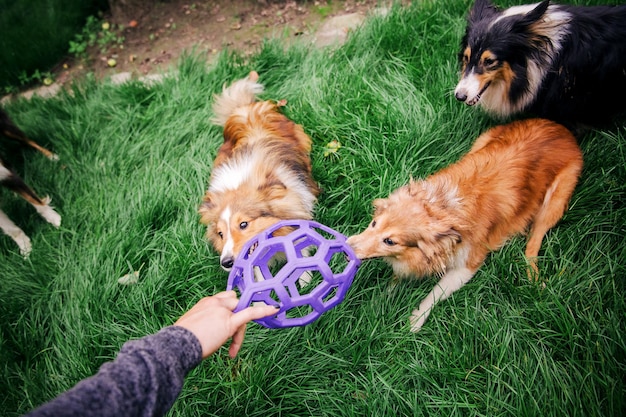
[
  {"x": 23, "y": 242},
  {"x": 51, "y": 216},
  {"x": 532, "y": 271},
  {"x": 416, "y": 324},
  {"x": 417, "y": 320},
  {"x": 48, "y": 213}
]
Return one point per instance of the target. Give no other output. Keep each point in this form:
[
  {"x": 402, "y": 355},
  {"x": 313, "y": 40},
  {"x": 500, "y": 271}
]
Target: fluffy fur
[
  {"x": 564, "y": 63},
  {"x": 515, "y": 176},
  {"x": 262, "y": 172},
  {"x": 11, "y": 180}
]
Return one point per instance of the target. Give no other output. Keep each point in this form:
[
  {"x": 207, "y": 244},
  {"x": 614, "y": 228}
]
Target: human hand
[{"x": 213, "y": 322}]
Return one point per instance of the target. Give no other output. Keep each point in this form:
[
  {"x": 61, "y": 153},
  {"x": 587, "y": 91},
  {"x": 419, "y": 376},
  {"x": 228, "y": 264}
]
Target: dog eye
[
  {"x": 489, "y": 62},
  {"x": 243, "y": 225},
  {"x": 387, "y": 241},
  {"x": 374, "y": 223},
  {"x": 221, "y": 235}
]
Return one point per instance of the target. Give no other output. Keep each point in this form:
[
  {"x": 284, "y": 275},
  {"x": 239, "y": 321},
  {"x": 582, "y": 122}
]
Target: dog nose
[
  {"x": 351, "y": 241},
  {"x": 227, "y": 263},
  {"x": 460, "y": 95}
]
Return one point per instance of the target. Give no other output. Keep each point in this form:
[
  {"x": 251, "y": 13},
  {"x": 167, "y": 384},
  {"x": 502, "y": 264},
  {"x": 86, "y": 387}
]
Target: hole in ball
[{"x": 299, "y": 312}]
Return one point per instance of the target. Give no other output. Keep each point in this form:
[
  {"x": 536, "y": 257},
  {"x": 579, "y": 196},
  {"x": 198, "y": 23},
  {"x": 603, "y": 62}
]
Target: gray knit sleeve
[{"x": 144, "y": 379}]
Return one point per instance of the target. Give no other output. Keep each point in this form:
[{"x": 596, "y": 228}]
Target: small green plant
[
  {"x": 324, "y": 9},
  {"x": 108, "y": 36},
  {"x": 36, "y": 77},
  {"x": 10, "y": 89},
  {"x": 87, "y": 37},
  {"x": 96, "y": 32}
]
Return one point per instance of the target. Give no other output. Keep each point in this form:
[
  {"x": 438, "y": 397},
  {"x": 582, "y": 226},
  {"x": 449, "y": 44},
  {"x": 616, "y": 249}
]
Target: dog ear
[
  {"x": 482, "y": 9},
  {"x": 451, "y": 234},
  {"x": 272, "y": 189},
  {"x": 207, "y": 202},
  {"x": 534, "y": 15},
  {"x": 411, "y": 241},
  {"x": 205, "y": 208},
  {"x": 380, "y": 204},
  {"x": 415, "y": 186}
]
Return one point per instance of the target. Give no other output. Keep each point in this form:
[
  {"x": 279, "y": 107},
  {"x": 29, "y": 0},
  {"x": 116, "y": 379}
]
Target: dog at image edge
[
  {"x": 262, "y": 172},
  {"x": 12, "y": 181},
  {"x": 515, "y": 176},
  {"x": 560, "y": 62}
]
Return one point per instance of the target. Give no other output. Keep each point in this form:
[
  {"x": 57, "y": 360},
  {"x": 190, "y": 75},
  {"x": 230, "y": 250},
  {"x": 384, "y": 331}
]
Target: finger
[
  {"x": 237, "y": 341},
  {"x": 226, "y": 294},
  {"x": 252, "y": 313},
  {"x": 229, "y": 303}
]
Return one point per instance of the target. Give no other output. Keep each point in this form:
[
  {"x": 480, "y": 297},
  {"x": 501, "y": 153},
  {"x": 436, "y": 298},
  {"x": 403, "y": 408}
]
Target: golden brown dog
[
  {"x": 262, "y": 172},
  {"x": 515, "y": 176}
]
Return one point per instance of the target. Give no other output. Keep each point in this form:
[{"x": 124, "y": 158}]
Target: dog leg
[
  {"x": 554, "y": 205},
  {"x": 449, "y": 283},
  {"x": 8, "y": 128},
  {"x": 13, "y": 182},
  {"x": 15, "y": 233},
  {"x": 50, "y": 155}
]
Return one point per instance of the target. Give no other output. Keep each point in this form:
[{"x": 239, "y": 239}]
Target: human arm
[{"x": 147, "y": 375}]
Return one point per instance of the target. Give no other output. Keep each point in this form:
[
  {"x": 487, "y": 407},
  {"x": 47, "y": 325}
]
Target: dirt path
[
  {"x": 155, "y": 41},
  {"x": 152, "y": 43}
]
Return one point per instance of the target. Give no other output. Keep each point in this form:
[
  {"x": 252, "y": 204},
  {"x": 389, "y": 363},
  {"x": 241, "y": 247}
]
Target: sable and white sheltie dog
[
  {"x": 515, "y": 176},
  {"x": 262, "y": 172},
  {"x": 11, "y": 180},
  {"x": 560, "y": 62}
]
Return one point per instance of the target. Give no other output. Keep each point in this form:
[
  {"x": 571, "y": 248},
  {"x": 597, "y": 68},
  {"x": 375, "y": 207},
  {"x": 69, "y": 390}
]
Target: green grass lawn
[{"x": 134, "y": 163}]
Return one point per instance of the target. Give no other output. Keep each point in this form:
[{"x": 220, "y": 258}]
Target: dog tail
[{"x": 240, "y": 93}]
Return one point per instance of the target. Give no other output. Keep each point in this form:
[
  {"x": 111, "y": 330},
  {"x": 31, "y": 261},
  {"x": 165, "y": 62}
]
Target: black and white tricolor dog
[
  {"x": 11, "y": 180},
  {"x": 565, "y": 63}
]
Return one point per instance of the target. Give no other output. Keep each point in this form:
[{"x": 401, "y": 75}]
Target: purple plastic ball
[{"x": 300, "y": 266}]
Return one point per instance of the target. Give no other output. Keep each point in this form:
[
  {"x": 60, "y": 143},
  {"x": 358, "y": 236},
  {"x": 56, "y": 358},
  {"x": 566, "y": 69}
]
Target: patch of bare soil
[{"x": 155, "y": 40}]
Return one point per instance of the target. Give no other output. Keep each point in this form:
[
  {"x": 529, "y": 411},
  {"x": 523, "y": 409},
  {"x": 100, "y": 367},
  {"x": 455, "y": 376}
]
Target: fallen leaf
[
  {"x": 331, "y": 148},
  {"x": 129, "y": 279}
]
